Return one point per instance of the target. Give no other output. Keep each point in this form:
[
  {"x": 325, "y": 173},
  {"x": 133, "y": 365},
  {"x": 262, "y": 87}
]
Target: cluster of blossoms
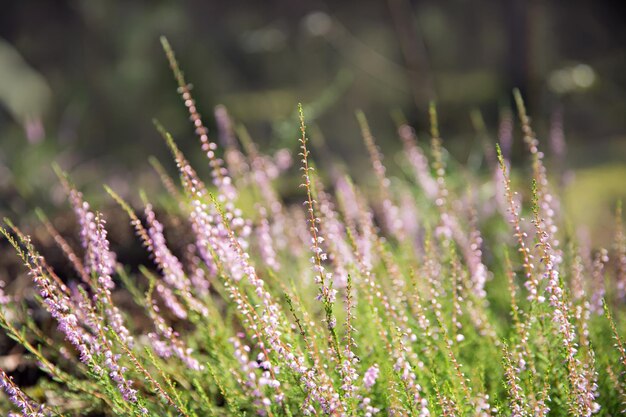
[
  {"x": 408, "y": 377},
  {"x": 27, "y": 406},
  {"x": 89, "y": 336},
  {"x": 584, "y": 388},
  {"x": 356, "y": 303},
  {"x": 249, "y": 378},
  {"x": 99, "y": 261}
]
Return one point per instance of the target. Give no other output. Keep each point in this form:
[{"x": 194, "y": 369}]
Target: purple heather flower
[
  {"x": 28, "y": 407},
  {"x": 370, "y": 376}
]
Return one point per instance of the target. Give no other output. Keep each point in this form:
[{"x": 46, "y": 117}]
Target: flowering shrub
[{"x": 431, "y": 296}]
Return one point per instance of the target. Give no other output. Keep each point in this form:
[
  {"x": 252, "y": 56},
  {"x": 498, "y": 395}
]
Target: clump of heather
[{"x": 435, "y": 293}]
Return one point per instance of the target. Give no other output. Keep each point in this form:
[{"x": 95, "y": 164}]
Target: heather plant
[{"x": 434, "y": 293}]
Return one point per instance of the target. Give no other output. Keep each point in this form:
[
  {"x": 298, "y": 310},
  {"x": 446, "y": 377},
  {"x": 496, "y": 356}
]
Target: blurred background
[{"x": 81, "y": 81}]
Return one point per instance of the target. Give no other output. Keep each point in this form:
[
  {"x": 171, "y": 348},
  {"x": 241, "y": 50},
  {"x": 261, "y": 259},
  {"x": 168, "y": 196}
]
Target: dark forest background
[{"x": 81, "y": 81}]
